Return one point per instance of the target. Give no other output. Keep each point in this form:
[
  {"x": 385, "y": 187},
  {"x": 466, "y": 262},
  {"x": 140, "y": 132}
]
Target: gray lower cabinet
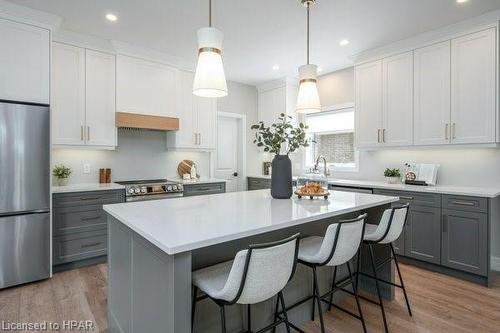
[
  {"x": 254, "y": 183},
  {"x": 422, "y": 238},
  {"x": 191, "y": 190},
  {"x": 465, "y": 241},
  {"x": 79, "y": 226}
]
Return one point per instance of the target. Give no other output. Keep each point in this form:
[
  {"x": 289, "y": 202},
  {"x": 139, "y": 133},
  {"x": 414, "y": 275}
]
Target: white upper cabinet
[
  {"x": 100, "y": 99},
  {"x": 68, "y": 94},
  {"x": 473, "y": 88},
  {"x": 368, "y": 109},
  {"x": 24, "y": 62},
  {"x": 277, "y": 98},
  {"x": 431, "y": 123},
  {"x": 145, "y": 87},
  {"x": 83, "y": 97},
  {"x": 197, "y": 118},
  {"x": 397, "y": 100}
]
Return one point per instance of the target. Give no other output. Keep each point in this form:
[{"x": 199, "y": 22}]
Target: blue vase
[{"x": 281, "y": 178}]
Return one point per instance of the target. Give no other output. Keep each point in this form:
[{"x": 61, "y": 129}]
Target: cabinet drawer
[
  {"x": 470, "y": 204},
  {"x": 258, "y": 183},
  {"x": 69, "y": 220},
  {"x": 88, "y": 198},
  {"x": 79, "y": 246},
  {"x": 204, "y": 189},
  {"x": 413, "y": 198}
]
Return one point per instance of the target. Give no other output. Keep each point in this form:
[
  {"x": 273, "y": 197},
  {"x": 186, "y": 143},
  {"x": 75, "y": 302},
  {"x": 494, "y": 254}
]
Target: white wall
[
  {"x": 242, "y": 99},
  {"x": 139, "y": 155},
  {"x": 459, "y": 166}
]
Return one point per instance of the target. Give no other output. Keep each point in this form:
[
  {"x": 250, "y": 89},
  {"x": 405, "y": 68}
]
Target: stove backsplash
[{"x": 139, "y": 155}]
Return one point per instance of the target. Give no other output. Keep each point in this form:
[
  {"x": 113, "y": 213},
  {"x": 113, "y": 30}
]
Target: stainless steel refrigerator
[{"x": 24, "y": 193}]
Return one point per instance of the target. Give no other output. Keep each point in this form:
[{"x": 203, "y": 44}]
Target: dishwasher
[{"x": 350, "y": 189}]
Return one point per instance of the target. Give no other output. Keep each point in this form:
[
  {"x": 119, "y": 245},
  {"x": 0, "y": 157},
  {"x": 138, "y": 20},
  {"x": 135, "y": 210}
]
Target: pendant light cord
[
  {"x": 307, "y": 6},
  {"x": 210, "y": 13}
]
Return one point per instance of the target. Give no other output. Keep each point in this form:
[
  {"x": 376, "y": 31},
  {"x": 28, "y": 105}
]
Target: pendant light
[
  {"x": 209, "y": 80},
  {"x": 308, "y": 97}
]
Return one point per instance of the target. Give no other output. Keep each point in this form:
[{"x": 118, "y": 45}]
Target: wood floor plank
[{"x": 440, "y": 304}]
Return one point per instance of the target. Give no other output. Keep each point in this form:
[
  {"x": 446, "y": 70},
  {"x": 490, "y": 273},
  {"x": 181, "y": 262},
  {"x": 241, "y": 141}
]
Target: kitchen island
[{"x": 155, "y": 245}]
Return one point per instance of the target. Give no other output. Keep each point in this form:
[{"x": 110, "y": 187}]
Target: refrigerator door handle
[{"x": 27, "y": 212}]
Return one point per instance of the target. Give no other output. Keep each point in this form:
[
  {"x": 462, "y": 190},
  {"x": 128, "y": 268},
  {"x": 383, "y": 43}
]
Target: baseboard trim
[{"x": 495, "y": 264}]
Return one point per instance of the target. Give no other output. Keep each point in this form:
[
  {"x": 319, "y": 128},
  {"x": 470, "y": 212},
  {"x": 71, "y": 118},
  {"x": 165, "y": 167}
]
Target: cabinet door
[
  {"x": 368, "y": 113},
  {"x": 100, "y": 99},
  {"x": 24, "y": 62},
  {"x": 397, "y": 113},
  {"x": 473, "y": 87},
  {"x": 68, "y": 94},
  {"x": 431, "y": 116},
  {"x": 185, "y": 137},
  {"x": 145, "y": 87},
  {"x": 423, "y": 234},
  {"x": 465, "y": 241},
  {"x": 206, "y": 124}
]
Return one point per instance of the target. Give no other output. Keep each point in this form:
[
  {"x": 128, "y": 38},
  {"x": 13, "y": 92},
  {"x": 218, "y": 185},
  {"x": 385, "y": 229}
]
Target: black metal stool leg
[
  {"x": 276, "y": 311},
  {"x": 193, "y": 307},
  {"x": 355, "y": 289},
  {"x": 223, "y": 318},
  {"x": 374, "y": 267},
  {"x": 401, "y": 280},
  {"x": 358, "y": 265},
  {"x": 283, "y": 307},
  {"x": 318, "y": 300},
  {"x": 333, "y": 287},
  {"x": 313, "y": 291}
]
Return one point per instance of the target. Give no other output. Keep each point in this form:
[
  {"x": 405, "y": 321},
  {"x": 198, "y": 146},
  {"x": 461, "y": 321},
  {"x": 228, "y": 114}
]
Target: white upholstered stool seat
[
  {"x": 211, "y": 280},
  {"x": 309, "y": 248},
  {"x": 371, "y": 233}
]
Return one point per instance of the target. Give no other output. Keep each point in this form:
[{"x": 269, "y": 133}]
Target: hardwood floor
[{"x": 439, "y": 303}]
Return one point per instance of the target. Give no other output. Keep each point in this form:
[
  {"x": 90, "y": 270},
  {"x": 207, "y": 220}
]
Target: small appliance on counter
[
  {"x": 421, "y": 174},
  {"x": 142, "y": 190},
  {"x": 312, "y": 185}
]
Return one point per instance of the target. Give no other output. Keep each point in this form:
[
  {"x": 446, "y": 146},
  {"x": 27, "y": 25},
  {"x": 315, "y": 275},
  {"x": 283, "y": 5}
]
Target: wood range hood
[{"x": 147, "y": 122}]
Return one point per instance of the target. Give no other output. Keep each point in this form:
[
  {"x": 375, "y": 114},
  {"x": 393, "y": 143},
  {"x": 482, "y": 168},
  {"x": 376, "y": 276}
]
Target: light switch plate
[{"x": 86, "y": 168}]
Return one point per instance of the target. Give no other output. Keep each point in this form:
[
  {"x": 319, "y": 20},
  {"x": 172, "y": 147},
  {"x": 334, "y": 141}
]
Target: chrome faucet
[{"x": 325, "y": 169}]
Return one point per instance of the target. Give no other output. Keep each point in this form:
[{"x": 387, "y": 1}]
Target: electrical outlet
[{"x": 86, "y": 168}]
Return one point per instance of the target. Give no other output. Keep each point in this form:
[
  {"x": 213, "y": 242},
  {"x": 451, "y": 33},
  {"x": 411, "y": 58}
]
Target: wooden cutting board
[{"x": 185, "y": 167}]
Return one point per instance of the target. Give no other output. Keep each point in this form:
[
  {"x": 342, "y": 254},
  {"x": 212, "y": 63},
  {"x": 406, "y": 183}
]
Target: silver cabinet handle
[
  {"x": 453, "y": 131},
  {"x": 81, "y": 133},
  {"x": 90, "y": 245},
  {"x": 405, "y": 198},
  {"x": 378, "y": 135},
  {"x": 383, "y": 135},
  {"x": 199, "y": 138},
  {"x": 463, "y": 203},
  {"x": 88, "y": 133},
  {"x": 446, "y": 130},
  {"x": 195, "y": 138}
]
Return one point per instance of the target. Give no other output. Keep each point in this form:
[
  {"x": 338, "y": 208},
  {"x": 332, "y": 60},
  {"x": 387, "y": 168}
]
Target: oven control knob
[
  {"x": 131, "y": 190},
  {"x": 179, "y": 187},
  {"x": 144, "y": 189},
  {"x": 174, "y": 187},
  {"x": 137, "y": 190},
  {"x": 169, "y": 188}
]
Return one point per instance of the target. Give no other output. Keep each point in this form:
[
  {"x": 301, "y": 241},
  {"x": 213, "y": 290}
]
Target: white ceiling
[{"x": 259, "y": 34}]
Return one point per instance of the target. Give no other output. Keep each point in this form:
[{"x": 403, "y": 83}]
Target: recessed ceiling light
[
  {"x": 111, "y": 17},
  {"x": 462, "y": 1},
  {"x": 276, "y": 67},
  {"x": 344, "y": 42},
  {"x": 320, "y": 69}
]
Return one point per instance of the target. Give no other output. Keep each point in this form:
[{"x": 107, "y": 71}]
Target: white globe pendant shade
[
  {"x": 308, "y": 97},
  {"x": 210, "y": 80}
]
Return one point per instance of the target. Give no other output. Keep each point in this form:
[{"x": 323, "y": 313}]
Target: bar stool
[
  {"x": 387, "y": 231},
  {"x": 340, "y": 244},
  {"x": 255, "y": 275}
]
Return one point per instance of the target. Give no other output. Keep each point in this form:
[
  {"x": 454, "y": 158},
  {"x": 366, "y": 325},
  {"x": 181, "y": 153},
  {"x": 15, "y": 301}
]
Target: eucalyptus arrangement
[
  {"x": 62, "y": 174},
  {"x": 281, "y": 139},
  {"x": 393, "y": 176}
]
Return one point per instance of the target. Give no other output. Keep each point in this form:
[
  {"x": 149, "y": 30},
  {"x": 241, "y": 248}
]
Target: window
[{"x": 333, "y": 133}]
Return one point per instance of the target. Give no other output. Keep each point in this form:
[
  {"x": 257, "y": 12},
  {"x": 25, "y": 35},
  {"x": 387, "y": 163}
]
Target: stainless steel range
[{"x": 140, "y": 190}]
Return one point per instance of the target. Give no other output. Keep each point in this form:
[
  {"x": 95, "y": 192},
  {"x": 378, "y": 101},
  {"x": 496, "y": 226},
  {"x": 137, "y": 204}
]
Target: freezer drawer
[{"x": 24, "y": 248}]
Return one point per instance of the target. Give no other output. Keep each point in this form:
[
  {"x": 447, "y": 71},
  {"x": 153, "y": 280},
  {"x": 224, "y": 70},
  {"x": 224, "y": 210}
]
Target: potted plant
[
  {"x": 281, "y": 139},
  {"x": 62, "y": 174},
  {"x": 392, "y": 176}
]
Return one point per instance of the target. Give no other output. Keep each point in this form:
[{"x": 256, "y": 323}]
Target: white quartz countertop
[
  {"x": 201, "y": 180},
  {"x": 486, "y": 192},
  {"x": 86, "y": 187},
  {"x": 185, "y": 224}
]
